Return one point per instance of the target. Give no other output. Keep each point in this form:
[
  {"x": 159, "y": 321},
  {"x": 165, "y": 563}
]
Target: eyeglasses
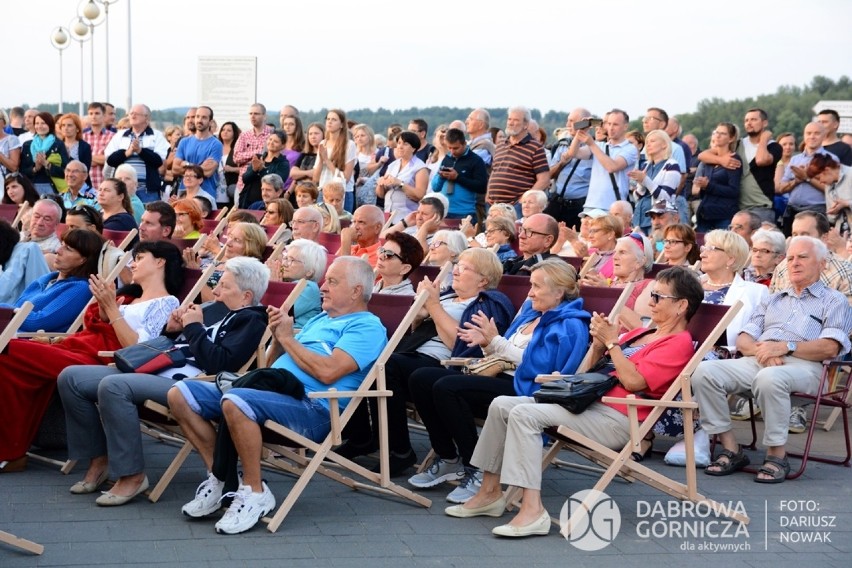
[
  {"x": 672, "y": 242},
  {"x": 489, "y": 231},
  {"x": 656, "y": 297},
  {"x": 650, "y": 117},
  {"x": 13, "y": 175},
  {"x": 85, "y": 211},
  {"x": 287, "y": 260},
  {"x": 191, "y": 176},
  {"x": 386, "y": 254},
  {"x": 437, "y": 244},
  {"x": 303, "y": 221},
  {"x": 756, "y": 250},
  {"x": 711, "y": 248},
  {"x": 181, "y": 213},
  {"x": 67, "y": 171},
  {"x": 462, "y": 268},
  {"x": 527, "y": 233}
]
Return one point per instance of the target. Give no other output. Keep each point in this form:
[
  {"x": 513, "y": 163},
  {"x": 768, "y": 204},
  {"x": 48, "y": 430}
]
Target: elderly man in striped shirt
[{"x": 783, "y": 345}]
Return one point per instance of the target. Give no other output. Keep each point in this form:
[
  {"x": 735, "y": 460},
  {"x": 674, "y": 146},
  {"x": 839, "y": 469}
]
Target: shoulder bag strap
[
  {"x": 612, "y": 179},
  {"x": 570, "y": 174}
]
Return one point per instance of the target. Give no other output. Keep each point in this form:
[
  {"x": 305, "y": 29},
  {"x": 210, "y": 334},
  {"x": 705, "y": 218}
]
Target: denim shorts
[{"x": 306, "y": 417}]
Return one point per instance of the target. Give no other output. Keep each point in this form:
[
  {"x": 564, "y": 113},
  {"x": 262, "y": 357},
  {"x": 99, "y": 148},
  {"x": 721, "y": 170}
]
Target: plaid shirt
[
  {"x": 249, "y": 144},
  {"x": 98, "y": 142},
  {"x": 836, "y": 275}
]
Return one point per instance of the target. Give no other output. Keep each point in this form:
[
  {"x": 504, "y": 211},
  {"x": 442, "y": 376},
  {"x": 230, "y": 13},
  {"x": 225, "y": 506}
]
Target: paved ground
[{"x": 332, "y": 525}]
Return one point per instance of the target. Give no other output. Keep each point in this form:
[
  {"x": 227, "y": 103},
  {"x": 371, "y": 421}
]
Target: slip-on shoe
[
  {"x": 495, "y": 509},
  {"x": 83, "y": 487},
  {"x": 108, "y": 499},
  {"x": 539, "y": 527}
]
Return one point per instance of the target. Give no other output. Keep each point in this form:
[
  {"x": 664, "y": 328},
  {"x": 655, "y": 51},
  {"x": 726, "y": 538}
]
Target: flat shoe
[
  {"x": 82, "y": 487},
  {"x": 108, "y": 499},
  {"x": 735, "y": 462},
  {"x": 539, "y": 527},
  {"x": 495, "y": 509}
]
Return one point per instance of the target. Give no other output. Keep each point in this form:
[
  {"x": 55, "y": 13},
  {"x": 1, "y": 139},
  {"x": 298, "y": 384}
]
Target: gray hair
[
  {"x": 311, "y": 214},
  {"x": 775, "y": 240},
  {"x": 250, "y": 275},
  {"x": 314, "y": 257},
  {"x": 540, "y": 196},
  {"x": 358, "y": 273},
  {"x": 79, "y": 163},
  {"x": 456, "y": 241},
  {"x": 524, "y": 110},
  {"x": 506, "y": 210},
  {"x": 129, "y": 170},
  {"x": 622, "y": 206},
  {"x": 644, "y": 254},
  {"x": 274, "y": 180},
  {"x": 485, "y": 117},
  {"x": 54, "y": 205},
  {"x": 820, "y": 249}
]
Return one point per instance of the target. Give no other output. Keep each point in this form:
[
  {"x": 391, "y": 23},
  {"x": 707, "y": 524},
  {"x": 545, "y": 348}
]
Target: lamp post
[
  {"x": 80, "y": 32},
  {"x": 60, "y": 40},
  {"x": 106, "y": 5},
  {"x": 129, "y": 62},
  {"x": 91, "y": 15}
]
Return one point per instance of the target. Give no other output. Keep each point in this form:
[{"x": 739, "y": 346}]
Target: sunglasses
[
  {"x": 656, "y": 297},
  {"x": 386, "y": 254}
]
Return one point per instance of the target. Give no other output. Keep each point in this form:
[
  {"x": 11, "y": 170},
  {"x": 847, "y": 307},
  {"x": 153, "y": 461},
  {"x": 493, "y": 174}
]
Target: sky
[{"x": 546, "y": 55}]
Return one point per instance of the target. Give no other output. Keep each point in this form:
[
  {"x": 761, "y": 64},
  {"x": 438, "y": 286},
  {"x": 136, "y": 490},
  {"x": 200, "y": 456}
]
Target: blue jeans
[
  {"x": 147, "y": 196},
  {"x": 306, "y": 417}
]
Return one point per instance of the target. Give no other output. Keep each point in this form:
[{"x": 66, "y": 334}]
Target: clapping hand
[{"x": 481, "y": 330}]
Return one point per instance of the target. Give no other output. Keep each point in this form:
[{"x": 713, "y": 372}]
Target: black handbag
[
  {"x": 575, "y": 393},
  {"x": 150, "y": 357}
]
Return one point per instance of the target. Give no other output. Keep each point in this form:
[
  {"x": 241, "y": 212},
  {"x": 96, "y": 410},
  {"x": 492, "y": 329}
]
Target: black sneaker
[
  {"x": 350, "y": 449},
  {"x": 398, "y": 464}
]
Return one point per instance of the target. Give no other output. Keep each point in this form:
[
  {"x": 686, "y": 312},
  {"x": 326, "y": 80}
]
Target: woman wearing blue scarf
[
  {"x": 551, "y": 333},
  {"x": 43, "y": 159}
]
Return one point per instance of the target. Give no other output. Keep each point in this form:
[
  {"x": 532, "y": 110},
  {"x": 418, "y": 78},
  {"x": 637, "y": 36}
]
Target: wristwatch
[
  {"x": 611, "y": 346},
  {"x": 791, "y": 347}
]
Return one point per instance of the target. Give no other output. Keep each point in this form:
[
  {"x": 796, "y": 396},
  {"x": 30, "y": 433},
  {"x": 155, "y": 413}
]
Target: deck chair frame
[
  {"x": 21, "y": 543},
  {"x": 295, "y": 461},
  {"x": 620, "y": 462},
  {"x": 162, "y": 426}
]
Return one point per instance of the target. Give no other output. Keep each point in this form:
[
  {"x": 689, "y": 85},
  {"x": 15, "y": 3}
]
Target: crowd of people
[{"x": 746, "y": 220}]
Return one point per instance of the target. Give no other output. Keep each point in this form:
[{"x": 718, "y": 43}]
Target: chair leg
[{"x": 21, "y": 543}]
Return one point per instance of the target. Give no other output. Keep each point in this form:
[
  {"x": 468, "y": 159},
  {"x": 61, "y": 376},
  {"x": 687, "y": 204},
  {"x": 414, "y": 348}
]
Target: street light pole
[
  {"x": 129, "y": 63},
  {"x": 106, "y": 4},
  {"x": 80, "y": 32},
  {"x": 91, "y": 15},
  {"x": 59, "y": 40}
]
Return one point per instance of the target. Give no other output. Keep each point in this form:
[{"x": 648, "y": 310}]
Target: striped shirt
[
  {"x": 98, "y": 142},
  {"x": 514, "y": 169},
  {"x": 818, "y": 313}
]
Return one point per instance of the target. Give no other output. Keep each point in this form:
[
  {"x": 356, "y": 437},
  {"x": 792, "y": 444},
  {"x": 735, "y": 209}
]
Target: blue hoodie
[{"x": 559, "y": 342}]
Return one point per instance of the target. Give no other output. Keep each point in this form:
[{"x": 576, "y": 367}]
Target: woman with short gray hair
[
  {"x": 767, "y": 251},
  {"x": 302, "y": 259}
]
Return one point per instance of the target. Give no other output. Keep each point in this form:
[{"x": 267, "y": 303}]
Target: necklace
[{"x": 717, "y": 284}]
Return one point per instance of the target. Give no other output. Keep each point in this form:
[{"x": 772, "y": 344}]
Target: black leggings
[
  {"x": 399, "y": 367},
  {"x": 448, "y": 403}
]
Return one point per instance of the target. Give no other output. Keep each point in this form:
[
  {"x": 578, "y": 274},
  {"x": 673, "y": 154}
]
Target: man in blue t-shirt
[
  {"x": 335, "y": 349},
  {"x": 201, "y": 149}
]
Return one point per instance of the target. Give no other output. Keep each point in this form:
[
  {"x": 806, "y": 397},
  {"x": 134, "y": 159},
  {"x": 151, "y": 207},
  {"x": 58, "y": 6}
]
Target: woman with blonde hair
[
  {"x": 603, "y": 233},
  {"x": 365, "y": 186},
  {"x": 70, "y": 129},
  {"x": 658, "y": 180}
]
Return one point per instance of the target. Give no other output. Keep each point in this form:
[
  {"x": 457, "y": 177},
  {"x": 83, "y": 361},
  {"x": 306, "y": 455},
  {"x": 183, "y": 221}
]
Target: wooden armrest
[
  {"x": 634, "y": 401},
  {"x": 335, "y": 394},
  {"x": 457, "y": 361},
  {"x": 207, "y": 378},
  {"x": 550, "y": 378},
  {"x": 31, "y": 334},
  {"x": 106, "y": 353}
]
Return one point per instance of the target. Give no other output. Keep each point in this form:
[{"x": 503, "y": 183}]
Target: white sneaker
[
  {"x": 246, "y": 509},
  {"x": 439, "y": 472},
  {"x": 798, "y": 420},
  {"x": 741, "y": 410},
  {"x": 468, "y": 487},
  {"x": 207, "y": 498}
]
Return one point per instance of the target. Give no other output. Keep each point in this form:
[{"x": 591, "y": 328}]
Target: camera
[
  {"x": 446, "y": 168},
  {"x": 586, "y": 123}
]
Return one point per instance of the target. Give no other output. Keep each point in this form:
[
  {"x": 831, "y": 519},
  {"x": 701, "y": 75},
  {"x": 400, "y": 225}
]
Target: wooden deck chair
[
  {"x": 219, "y": 214},
  {"x": 11, "y": 320},
  {"x": 120, "y": 239},
  {"x": 331, "y": 241},
  {"x": 193, "y": 280},
  {"x": 257, "y": 213},
  {"x": 705, "y": 326},
  {"x": 416, "y": 276},
  {"x": 9, "y": 212},
  {"x": 272, "y": 251},
  {"x": 214, "y": 227},
  {"x": 574, "y": 261},
  {"x": 157, "y": 421},
  {"x": 21, "y": 543},
  {"x": 294, "y": 461},
  {"x": 516, "y": 287}
]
